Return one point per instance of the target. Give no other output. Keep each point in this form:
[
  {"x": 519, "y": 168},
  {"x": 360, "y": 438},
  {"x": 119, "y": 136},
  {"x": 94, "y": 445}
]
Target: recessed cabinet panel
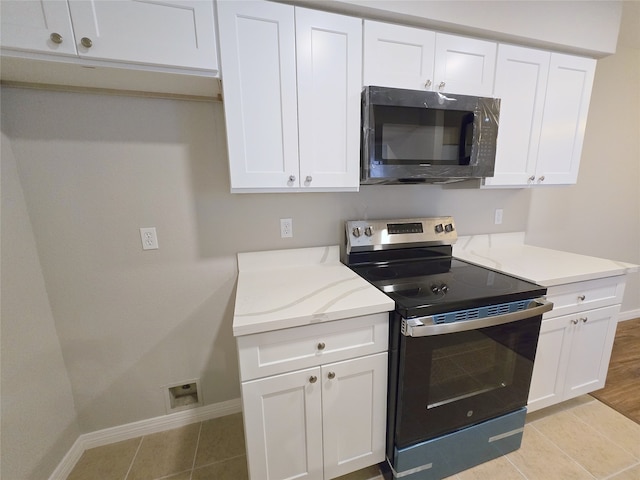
[
  {"x": 521, "y": 81},
  {"x": 591, "y": 346},
  {"x": 175, "y": 33},
  {"x": 464, "y": 65},
  {"x": 257, "y": 50},
  {"x": 354, "y": 401},
  {"x": 283, "y": 426},
  {"x": 329, "y": 53},
  {"x": 547, "y": 381},
  {"x": 565, "y": 118},
  {"x": 398, "y": 56},
  {"x": 30, "y": 25}
]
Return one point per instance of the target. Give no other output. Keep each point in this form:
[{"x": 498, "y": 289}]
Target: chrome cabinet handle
[
  {"x": 292, "y": 178},
  {"x": 541, "y": 179},
  {"x": 427, "y": 84},
  {"x": 441, "y": 85},
  {"x": 532, "y": 178},
  {"x": 331, "y": 375},
  {"x": 86, "y": 42},
  {"x": 308, "y": 179},
  {"x": 575, "y": 321},
  {"x": 584, "y": 319},
  {"x": 321, "y": 346},
  {"x": 581, "y": 298},
  {"x": 313, "y": 379},
  {"x": 56, "y": 38}
]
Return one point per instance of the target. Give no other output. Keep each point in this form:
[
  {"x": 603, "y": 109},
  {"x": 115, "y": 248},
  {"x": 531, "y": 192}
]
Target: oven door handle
[{"x": 425, "y": 326}]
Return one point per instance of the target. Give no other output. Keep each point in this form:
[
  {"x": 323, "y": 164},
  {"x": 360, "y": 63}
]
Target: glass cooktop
[{"x": 427, "y": 287}]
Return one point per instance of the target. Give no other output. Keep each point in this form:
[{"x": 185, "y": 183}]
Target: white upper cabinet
[
  {"x": 177, "y": 33},
  {"x": 258, "y": 56},
  {"x": 292, "y": 80},
  {"x": 398, "y": 56},
  {"x": 464, "y": 65},
  {"x": 544, "y": 104},
  {"x": 38, "y": 26},
  {"x": 521, "y": 82},
  {"x": 565, "y": 118},
  {"x": 173, "y": 33},
  {"x": 417, "y": 59},
  {"x": 329, "y": 54}
]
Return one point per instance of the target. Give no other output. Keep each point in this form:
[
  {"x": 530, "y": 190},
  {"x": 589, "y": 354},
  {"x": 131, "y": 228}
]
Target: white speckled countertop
[
  {"x": 290, "y": 288},
  {"x": 508, "y": 253}
]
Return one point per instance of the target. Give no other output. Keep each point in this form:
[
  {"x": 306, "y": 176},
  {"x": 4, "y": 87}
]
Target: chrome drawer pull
[
  {"x": 581, "y": 298},
  {"x": 321, "y": 346},
  {"x": 313, "y": 379}
]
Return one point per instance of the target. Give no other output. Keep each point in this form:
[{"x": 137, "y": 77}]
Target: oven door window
[
  {"x": 460, "y": 379},
  {"x": 422, "y": 136}
]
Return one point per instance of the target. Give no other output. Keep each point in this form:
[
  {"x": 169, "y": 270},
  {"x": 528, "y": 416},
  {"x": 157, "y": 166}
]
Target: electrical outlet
[
  {"x": 149, "y": 238},
  {"x": 497, "y": 217},
  {"x": 286, "y": 228}
]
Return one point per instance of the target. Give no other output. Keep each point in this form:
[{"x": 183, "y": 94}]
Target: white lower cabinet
[
  {"x": 574, "y": 350},
  {"x": 321, "y": 421}
]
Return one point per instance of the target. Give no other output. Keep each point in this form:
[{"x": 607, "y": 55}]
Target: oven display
[{"x": 400, "y": 228}]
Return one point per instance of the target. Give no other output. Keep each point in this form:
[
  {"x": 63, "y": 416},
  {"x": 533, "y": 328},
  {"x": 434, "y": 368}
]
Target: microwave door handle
[
  {"x": 466, "y": 121},
  {"x": 425, "y": 326}
]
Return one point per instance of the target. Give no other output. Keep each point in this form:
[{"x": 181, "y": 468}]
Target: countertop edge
[{"x": 294, "y": 322}]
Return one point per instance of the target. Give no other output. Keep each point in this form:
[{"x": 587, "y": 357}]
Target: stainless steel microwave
[{"x": 411, "y": 136}]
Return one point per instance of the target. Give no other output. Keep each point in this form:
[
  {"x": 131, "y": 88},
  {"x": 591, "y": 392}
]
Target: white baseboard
[
  {"x": 140, "y": 428},
  {"x": 629, "y": 315}
]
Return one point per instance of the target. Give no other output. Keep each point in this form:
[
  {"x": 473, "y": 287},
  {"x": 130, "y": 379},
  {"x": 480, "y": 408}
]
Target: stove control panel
[{"x": 369, "y": 235}]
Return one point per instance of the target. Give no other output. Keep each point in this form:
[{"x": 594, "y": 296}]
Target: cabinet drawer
[
  {"x": 282, "y": 351},
  {"x": 576, "y": 297}
]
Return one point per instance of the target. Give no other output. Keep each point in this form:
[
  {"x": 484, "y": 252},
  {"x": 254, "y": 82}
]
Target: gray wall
[
  {"x": 38, "y": 417},
  {"x": 95, "y": 169}
]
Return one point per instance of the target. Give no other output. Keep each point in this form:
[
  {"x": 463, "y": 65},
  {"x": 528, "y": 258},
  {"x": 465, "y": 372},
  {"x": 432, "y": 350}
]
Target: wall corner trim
[{"x": 140, "y": 428}]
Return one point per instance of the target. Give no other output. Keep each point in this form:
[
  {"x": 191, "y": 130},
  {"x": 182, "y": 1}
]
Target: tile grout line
[
  {"x": 565, "y": 453},
  {"x": 134, "y": 458},
  {"x": 612, "y": 440},
  {"x": 613, "y": 475},
  {"x": 223, "y": 460},
  {"x": 195, "y": 453},
  {"x": 515, "y": 466}
]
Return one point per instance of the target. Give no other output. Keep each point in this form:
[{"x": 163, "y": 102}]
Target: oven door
[{"x": 448, "y": 381}]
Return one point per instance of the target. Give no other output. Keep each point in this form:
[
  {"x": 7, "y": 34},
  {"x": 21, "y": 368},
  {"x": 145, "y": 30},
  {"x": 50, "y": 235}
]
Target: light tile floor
[{"x": 579, "y": 439}]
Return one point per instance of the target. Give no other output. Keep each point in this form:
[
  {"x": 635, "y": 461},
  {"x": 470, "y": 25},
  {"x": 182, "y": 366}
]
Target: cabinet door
[
  {"x": 178, "y": 33},
  {"x": 549, "y": 369},
  {"x": 329, "y": 54},
  {"x": 354, "y": 396},
  {"x": 521, "y": 79},
  {"x": 30, "y": 25},
  {"x": 258, "y": 59},
  {"x": 593, "y": 335},
  {"x": 464, "y": 65},
  {"x": 283, "y": 426},
  {"x": 398, "y": 56},
  {"x": 565, "y": 118}
]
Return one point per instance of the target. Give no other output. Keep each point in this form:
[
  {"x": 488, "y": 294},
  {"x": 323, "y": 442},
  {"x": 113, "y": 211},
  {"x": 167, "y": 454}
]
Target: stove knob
[
  {"x": 435, "y": 289},
  {"x": 368, "y": 230},
  {"x": 448, "y": 227},
  {"x": 439, "y": 228},
  {"x": 444, "y": 288},
  {"x": 357, "y": 231}
]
